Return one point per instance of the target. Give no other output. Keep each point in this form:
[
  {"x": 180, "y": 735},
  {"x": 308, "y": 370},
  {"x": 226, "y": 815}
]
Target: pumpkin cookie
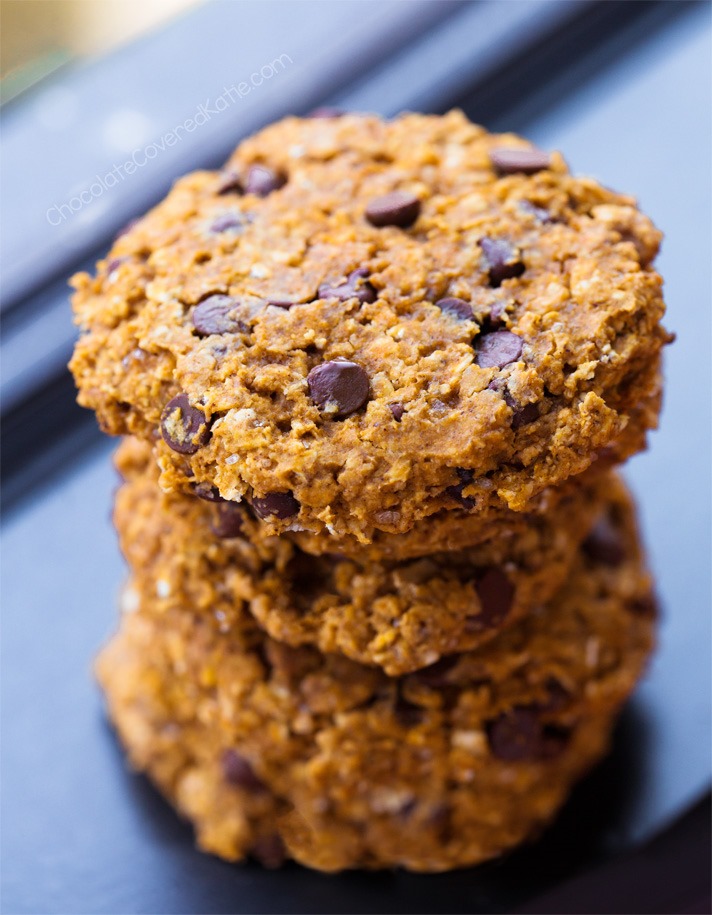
[
  {"x": 277, "y": 752},
  {"x": 355, "y": 319},
  {"x": 400, "y": 615}
]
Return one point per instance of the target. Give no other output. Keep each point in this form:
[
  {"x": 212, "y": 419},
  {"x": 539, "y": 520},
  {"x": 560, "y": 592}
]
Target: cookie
[
  {"x": 356, "y": 318},
  {"x": 276, "y": 752},
  {"x": 473, "y": 518},
  {"x": 399, "y": 615}
]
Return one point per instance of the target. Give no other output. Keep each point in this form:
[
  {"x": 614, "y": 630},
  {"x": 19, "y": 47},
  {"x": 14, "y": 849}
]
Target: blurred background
[
  {"x": 623, "y": 88},
  {"x": 40, "y": 36}
]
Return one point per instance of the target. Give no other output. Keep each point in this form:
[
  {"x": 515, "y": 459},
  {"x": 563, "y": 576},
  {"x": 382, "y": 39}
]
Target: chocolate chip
[
  {"x": 395, "y": 209},
  {"x": 436, "y": 675},
  {"x": 497, "y": 349},
  {"x": 397, "y": 411},
  {"x": 114, "y": 263},
  {"x": 229, "y": 182},
  {"x": 465, "y": 477},
  {"x": 646, "y": 606},
  {"x": 496, "y": 594},
  {"x": 207, "y": 493},
  {"x": 507, "y": 160},
  {"x": 523, "y": 416},
  {"x": 355, "y": 286},
  {"x": 184, "y": 427},
  {"x": 326, "y": 111},
  {"x": 604, "y": 544},
  {"x": 215, "y": 315},
  {"x": 440, "y": 821},
  {"x": 539, "y": 213},
  {"x": 494, "y": 319},
  {"x": 262, "y": 180},
  {"x": 228, "y": 521},
  {"x": 338, "y": 387},
  {"x": 270, "y": 851},
  {"x": 227, "y": 222},
  {"x": 280, "y": 505},
  {"x": 519, "y": 735},
  {"x": 503, "y": 260},
  {"x": 238, "y": 772},
  {"x": 458, "y": 308}
]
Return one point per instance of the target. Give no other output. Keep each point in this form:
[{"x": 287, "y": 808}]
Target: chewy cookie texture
[
  {"x": 278, "y": 752},
  {"x": 386, "y": 591},
  {"x": 399, "y": 615},
  {"x": 358, "y": 323}
]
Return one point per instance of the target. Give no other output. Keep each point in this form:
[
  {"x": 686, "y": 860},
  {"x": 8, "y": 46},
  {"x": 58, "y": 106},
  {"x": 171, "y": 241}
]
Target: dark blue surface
[{"x": 82, "y": 834}]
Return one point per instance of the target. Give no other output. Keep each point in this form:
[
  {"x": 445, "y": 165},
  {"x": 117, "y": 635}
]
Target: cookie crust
[
  {"x": 276, "y": 752},
  {"x": 400, "y": 615},
  {"x": 555, "y": 271}
]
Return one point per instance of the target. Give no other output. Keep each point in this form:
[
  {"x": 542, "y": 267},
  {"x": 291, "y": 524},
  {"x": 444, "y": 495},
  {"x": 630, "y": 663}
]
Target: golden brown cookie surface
[
  {"x": 400, "y": 615},
  {"x": 290, "y": 332},
  {"x": 275, "y": 751}
]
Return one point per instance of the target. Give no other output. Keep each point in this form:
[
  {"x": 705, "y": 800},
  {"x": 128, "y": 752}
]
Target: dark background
[{"x": 623, "y": 88}]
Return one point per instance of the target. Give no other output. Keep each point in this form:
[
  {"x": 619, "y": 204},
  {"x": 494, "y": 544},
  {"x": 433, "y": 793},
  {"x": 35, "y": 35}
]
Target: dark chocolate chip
[
  {"x": 604, "y": 544},
  {"x": 114, "y": 263},
  {"x": 436, "y": 675},
  {"x": 395, "y": 209},
  {"x": 440, "y": 821},
  {"x": 539, "y": 213},
  {"x": 340, "y": 387},
  {"x": 465, "y": 477},
  {"x": 458, "y": 308},
  {"x": 207, "y": 493},
  {"x": 455, "y": 492},
  {"x": 646, "y": 606},
  {"x": 408, "y": 809},
  {"x": 262, "y": 180},
  {"x": 326, "y": 111},
  {"x": 270, "y": 851},
  {"x": 184, "y": 427},
  {"x": 494, "y": 319},
  {"x": 355, "y": 286},
  {"x": 397, "y": 411},
  {"x": 503, "y": 260},
  {"x": 215, "y": 315},
  {"x": 522, "y": 416},
  {"x": 280, "y": 505},
  {"x": 508, "y": 160},
  {"x": 496, "y": 594},
  {"x": 228, "y": 520},
  {"x": 229, "y": 183},
  {"x": 519, "y": 735},
  {"x": 228, "y": 222},
  {"x": 497, "y": 349},
  {"x": 238, "y": 772}
]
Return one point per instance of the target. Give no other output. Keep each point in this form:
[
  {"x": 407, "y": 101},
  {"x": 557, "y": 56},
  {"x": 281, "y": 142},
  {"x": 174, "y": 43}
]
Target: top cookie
[{"x": 356, "y": 319}]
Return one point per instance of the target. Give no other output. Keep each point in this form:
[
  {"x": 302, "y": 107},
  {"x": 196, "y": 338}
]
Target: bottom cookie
[{"x": 276, "y": 752}]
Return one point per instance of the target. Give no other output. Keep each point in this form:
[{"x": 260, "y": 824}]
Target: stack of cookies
[{"x": 386, "y": 593}]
